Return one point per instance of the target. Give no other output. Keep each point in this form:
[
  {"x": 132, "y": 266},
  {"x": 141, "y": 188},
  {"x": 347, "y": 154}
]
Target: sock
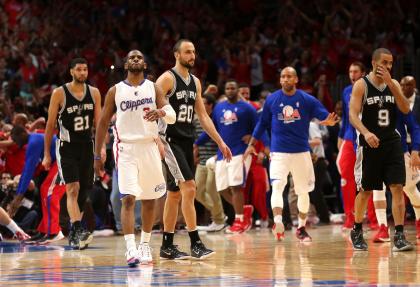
[
  {"x": 12, "y": 226},
  {"x": 357, "y": 226},
  {"x": 145, "y": 237},
  {"x": 399, "y": 228},
  {"x": 278, "y": 219},
  {"x": 381, "y": 216},
  {"x": 417, "y": 212},
  {"x": 301, "y": 222},
  {"x": 194, "y": 237},
  {"x": 130, "y": 241},
  {"x": 76, "y": 225},
  {"x": 167, "y": 239},
  {"x": 240, "y": 217}
]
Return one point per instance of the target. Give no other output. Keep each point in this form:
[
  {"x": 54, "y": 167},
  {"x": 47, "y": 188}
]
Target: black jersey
[
  {"x": 75, "y": 118},
  {"x": 379, "y": 113},
  {"x": 182, "y": 100}
]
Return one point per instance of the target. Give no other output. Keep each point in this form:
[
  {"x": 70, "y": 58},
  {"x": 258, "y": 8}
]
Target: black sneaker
[
  {"x": 400, "y": 243},
  {"x": 34, "y": 239},
  {"x": 73, "y": 239},
  {"x": 199, "y": 251},
  {"x": 172, "y": 253},
  {"x": 358, "y": 241},
  {"x": 84, "y": 237},
  {"x": 302, "y": 235}
]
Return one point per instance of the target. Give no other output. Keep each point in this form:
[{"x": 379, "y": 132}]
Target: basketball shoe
[
  {"x": 199, "y": 251},
  {"x": 400, "y": 243},
  {"x": 358, "y": 241},
  {"x": 237, "y": 227},
  {"x": 172, "y": 253},
  {"x": 278, "y": 231},
  {"x": 382, "y": 235},
  {"x": 302, "y": 235},
  {"x": 145, "y": 253},
  {"x": 132, "y": 256}
]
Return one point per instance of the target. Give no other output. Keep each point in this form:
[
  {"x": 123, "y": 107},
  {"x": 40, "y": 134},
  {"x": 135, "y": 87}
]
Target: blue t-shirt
[
  {"x": 410, "y": 121},
  {"x": 233, "y": 121},
  {"x": 347, "y": 131},
  {"x": 289, "y": 117},
  {"x": 33, "y": 156}
]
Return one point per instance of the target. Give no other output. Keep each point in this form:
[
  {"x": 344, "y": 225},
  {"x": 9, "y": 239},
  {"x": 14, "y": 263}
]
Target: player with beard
[
  {"x": 138, "y": 104},
  {"x": 74, "y": 106},
  {"x": 184, "y": 92},
  {"x": 380, "y": 157}
]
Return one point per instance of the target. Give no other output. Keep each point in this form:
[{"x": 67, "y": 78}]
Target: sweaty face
[
  {"x": 79, "y": 73},
  {"x": 288, "y": 79},
  {"x": 231, "y": 90},
  {"x": 135, "y": 62},
  {"x": 186, "y": 55},
  {"x": 244, "y": 93},
  {"x": 355, "y": 73}
]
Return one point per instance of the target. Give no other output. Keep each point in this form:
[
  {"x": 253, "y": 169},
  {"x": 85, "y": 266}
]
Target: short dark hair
[
  {"x": 179, "y": 43},
  {"x": 360, "y": 65},
  {"x": 243, "y": 85},
  {"x": 377, "y": 53},
  {"x": 76, "y": 61},
  {"x": 210, "y": 98},
  {"x": 19, "y": 135},
  {"x": 231, "y": 81}
]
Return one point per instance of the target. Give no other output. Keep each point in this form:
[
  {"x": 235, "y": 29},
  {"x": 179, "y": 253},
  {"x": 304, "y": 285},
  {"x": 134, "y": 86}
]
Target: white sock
[
  {"x": 381, "y": 216},
  {"x": 278, "y": 219},
  {"x": 12, "y": 226},
  {"x": 130, "y": 241},
  {"x": 145, "y": 237},
  {"x": 240, "y": 217},
  {"x": 301, "y": 222},
  {"x": 417, "y": 212}
]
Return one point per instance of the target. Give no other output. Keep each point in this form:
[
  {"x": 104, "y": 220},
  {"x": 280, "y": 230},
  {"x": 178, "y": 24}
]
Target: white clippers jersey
[{"x": 132, "y": 104}]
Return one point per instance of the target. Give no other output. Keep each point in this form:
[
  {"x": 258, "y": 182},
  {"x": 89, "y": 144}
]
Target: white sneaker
[
  {"x": 213, "y": 227},
  {"x": 133, "y": 257},
  {"x": 145, "y": 253},
  {"x": 51, "y": 239}
]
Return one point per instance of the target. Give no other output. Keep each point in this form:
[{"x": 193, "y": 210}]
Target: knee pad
[
  {"x": 277, "y": 194},
  {"x": 303, "y": 202},
  {"x": 413, "y": 194},
  {"x": 379, "y": 195}
]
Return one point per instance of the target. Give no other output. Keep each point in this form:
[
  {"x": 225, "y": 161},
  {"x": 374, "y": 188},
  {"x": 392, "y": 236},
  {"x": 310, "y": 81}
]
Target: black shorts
[
  {"x": 384, "y": 164},
  {"x": 179, "y": 162},
  {"x": 75, "y": 163}
]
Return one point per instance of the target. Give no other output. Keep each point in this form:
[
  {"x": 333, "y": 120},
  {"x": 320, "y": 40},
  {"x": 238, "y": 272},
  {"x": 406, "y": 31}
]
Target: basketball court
[{"x": 250, "y": 259}]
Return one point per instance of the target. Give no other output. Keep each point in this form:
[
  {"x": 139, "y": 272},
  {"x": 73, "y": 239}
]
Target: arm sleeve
[
  {"x": 202, "y": 139},
  {"x": 32, "y": 155},
  {"x": 318, "y": 110},
  {"x": 414, "y": 130},
  {"x": 264, "y": 121}
]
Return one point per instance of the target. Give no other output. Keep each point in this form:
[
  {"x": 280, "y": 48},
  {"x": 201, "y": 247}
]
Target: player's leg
[
  {"x": 217, "y": 212},
  {"x": 410, "y": 189},
  {"x": 279, "y": 171},
  {"x": 345, "y": 163},
  {"x": 304, "y": 180},
  {"x": 127, "y": 221},
  {"x": 379, "y": 201}
]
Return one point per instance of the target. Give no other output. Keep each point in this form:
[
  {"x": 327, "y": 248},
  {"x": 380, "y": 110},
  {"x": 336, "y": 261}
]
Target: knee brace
[
  {"x": 277, "y": 194},
  {"x": 303, "y": 202},
  {"x": 379, "y": 195},
  {"x": 413, "y": 194}
]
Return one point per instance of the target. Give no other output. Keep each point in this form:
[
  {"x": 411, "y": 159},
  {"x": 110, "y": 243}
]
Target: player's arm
[
  {"x": 57, "y": 100},
  {"x": 102, "y": 128},
  {"x": 97, "y": 108},
  {"x": 164, "y": 109},
  {"x": 355, "y": 107},
  {"x": 208, "y": 125}
]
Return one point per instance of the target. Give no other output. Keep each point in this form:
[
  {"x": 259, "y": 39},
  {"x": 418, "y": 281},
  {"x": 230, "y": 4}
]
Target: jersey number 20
[
  {"x": 185, "y": 113},
  {"x": 81, "y": 123}
]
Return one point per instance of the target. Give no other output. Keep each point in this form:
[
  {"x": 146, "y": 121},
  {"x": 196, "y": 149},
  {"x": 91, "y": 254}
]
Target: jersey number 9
[
  {"x": 81, "y": 123},
  {"x": 383, "y": 118}
]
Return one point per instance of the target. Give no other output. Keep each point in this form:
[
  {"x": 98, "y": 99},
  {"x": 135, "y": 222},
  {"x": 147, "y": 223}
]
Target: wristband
[{"x": 97, "y": 157}]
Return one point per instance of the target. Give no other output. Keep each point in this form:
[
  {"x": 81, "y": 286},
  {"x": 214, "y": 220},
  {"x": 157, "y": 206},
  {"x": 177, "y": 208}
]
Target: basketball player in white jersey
[{"x": 138, "y": 104}]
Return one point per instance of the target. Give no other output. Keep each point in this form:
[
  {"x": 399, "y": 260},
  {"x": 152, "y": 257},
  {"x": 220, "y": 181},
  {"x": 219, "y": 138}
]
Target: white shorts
[
  {"x": 299, "y": 165},
  {"x": 233, "y": 173},
  {"x": 411, "y": 177},
  {"x": 139, "y": 170}
]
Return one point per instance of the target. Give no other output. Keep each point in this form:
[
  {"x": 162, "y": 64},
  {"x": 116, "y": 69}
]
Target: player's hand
[
  {"x": 331, "y": 120},
  {"x": 98, "y": 166},
  {"x": 371, "y": 140},
  {"x": 415, "y": 160},
  {"x": 46, "y": 161},
  {"x": 153, "y": 115},
  {"x": 249, "y": 150},
  {"x": 383, "y": 73},
  {"x": 246, "y": 138},
  {"x": 13, "y": 207},
  {"x": 260, "y": 158},
  {"x": 227, "y": 154}
]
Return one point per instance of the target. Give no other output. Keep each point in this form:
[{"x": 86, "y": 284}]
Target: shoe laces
[{"x": 145, "y": 250}]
